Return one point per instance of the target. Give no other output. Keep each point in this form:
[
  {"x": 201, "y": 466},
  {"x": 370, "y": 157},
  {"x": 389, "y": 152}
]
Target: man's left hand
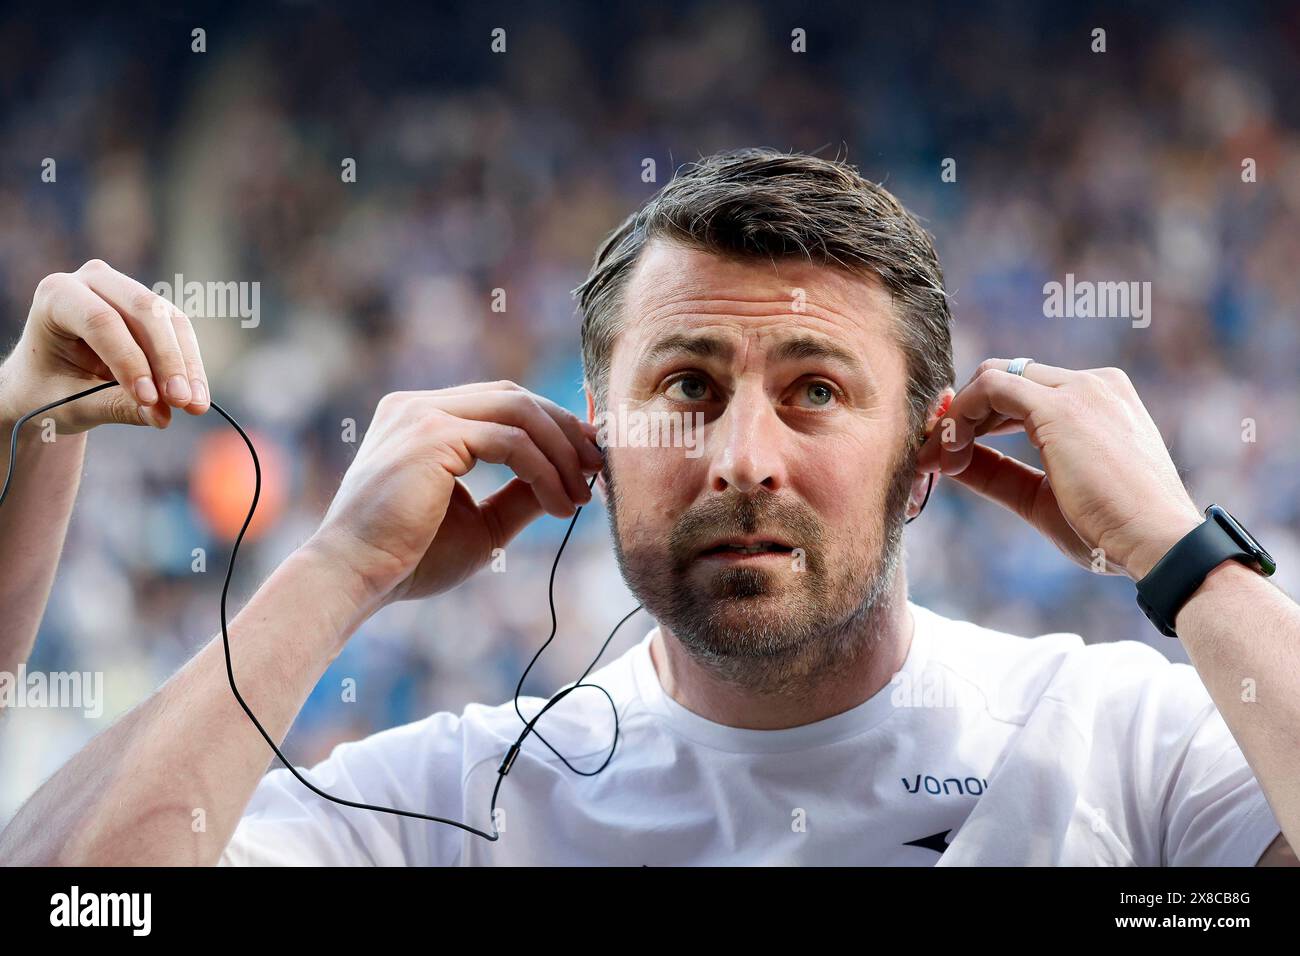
[{"x": 1110, "y": 497}]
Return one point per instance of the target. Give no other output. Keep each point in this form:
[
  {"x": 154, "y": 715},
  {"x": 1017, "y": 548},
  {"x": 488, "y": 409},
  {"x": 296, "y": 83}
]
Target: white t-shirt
[{"x": 985, "y": 748}]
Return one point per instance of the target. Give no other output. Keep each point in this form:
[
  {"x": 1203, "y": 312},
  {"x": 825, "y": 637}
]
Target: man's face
[{"x": 803, "y": 451}]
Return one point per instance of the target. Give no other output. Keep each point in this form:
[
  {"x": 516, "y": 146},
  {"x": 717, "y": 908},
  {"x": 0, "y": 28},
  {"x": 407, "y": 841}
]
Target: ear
[
  {"x": 591, "y": 419},
  {"x": 921, "y": 482}
]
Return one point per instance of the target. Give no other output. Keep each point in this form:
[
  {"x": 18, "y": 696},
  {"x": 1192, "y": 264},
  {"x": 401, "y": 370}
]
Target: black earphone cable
[{"x": 529, "y": 725}]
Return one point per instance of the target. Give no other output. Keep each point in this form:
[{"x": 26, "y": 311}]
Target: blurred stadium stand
[{"x": 479, "y": 171}]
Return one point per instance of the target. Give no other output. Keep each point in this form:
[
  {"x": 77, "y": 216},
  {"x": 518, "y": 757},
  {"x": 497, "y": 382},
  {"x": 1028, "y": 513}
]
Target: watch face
[{"x": 1245, "y": 539}]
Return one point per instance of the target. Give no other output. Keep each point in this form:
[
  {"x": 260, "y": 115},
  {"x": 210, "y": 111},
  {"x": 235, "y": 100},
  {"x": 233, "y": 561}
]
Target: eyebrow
[{"x": 797, "y": 347}]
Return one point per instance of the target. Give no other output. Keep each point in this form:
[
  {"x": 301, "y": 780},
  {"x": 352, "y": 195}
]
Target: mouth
[{"x": 751, "y": 548}]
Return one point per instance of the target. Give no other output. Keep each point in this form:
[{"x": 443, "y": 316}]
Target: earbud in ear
[{"x": 929, "y": 485}]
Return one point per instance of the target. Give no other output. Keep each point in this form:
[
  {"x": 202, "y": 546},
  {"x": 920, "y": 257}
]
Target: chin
[
  {"x": 755, "y": 625},
  {"x": 746, "y": 582}
]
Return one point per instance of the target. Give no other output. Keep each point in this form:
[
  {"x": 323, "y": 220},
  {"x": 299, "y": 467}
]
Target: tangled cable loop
[{"x": 529, "y": 725}]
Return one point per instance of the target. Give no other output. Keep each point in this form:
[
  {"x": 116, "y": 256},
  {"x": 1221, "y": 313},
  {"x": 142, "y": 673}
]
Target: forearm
[
  {"x": 33, "y": 524},
  {"x": 1242, "y": 634},
  {"x": 132, "y": 796}
]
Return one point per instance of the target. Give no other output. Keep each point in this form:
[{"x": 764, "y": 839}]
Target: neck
[{"x": 878, "y": 653}]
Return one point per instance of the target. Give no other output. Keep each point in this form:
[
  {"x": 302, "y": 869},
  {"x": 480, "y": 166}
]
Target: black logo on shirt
[
  {"x": 938, "y": 842},
  {"x": 972, "y": 786}
]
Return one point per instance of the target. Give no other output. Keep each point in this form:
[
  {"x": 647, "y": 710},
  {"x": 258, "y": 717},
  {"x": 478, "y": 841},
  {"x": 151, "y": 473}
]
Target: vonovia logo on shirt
[{"x": 947, "y": 786}]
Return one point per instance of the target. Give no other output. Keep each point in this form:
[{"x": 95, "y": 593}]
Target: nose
[{"x": 746, "y": 445}]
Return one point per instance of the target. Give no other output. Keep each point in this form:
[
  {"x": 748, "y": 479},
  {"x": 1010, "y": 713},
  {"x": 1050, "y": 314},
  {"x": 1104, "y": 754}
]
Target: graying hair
[{"x": 762, "y": 203}]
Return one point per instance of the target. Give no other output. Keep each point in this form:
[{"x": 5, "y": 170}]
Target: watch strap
[{"x": 1176, "y": 577}]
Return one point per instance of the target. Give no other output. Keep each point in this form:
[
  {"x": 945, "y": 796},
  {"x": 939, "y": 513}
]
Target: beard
[{"x": 774, "y": 633}]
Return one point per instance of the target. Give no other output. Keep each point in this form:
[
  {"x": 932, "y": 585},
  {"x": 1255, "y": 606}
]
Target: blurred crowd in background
[{"x": 478, "y": 171}]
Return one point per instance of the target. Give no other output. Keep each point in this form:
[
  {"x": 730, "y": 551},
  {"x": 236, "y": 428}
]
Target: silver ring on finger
[{"x": 1018, "y": 365}]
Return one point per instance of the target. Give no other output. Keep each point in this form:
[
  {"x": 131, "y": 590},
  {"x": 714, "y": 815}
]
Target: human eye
[
  {"x": 689, "y": 387},
  {"x": 816, "y": 394}
]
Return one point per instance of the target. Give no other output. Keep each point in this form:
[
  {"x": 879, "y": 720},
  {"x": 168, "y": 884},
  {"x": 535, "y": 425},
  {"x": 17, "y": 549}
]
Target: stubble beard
[{"x": 771, "y": 633}]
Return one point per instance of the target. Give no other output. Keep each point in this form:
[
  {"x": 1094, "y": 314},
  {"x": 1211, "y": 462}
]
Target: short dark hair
[{"x": 762, "y": 203}]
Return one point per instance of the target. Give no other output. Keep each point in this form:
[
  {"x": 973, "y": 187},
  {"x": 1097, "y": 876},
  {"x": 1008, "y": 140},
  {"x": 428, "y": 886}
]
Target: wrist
[
  {"x": 15, "y": 402},
  {"x": 1229, "y": 576},
  {"x": 1155, "y": 542},
  {"x": 335, "y": 609},
  {"x": 328, "y": 561},
  {"x": 58, "y": 450}
]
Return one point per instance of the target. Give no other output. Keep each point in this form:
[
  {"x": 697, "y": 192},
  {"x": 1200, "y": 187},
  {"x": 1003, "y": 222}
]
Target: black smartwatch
[{"x": 1174, "y": 579}]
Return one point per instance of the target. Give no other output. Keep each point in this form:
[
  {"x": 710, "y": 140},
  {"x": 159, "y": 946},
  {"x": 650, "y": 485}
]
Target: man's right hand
[
  {"x": 403, "y": 525},
  {"x": 96, "y": 324}
]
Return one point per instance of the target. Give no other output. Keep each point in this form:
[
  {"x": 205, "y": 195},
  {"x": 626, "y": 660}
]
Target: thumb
[
  {"x": 1002, "y": 479},
  {"x": 511, "y": 508},
  {"x": 117, "y": 406}
]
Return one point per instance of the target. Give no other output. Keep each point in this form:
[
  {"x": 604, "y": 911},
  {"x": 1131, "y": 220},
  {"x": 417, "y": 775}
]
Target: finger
[
  {"x": 118, "y": 406},
  {"x": 510, "y": 509},
  {"x": 84, "y": 357},
  {"x": 513, "y": 446},
  {"x": 75, "y": 310},
  {"x": 1049, "y": 375},
  {"x": 1001, "y": 425},
  {"x": 581, "y": 433},
  {"x": 1026, "y": 491},
  {"x": 158, "y": 416},
  {"x": 200, "y": 397},
  {"x": 519, "y": 408},
  {"x": 1002, "y": 479},
  {"x": 992, "y": 393},
  {"x": 928, "y": 456},
  {"x": 148, "y": 316}
]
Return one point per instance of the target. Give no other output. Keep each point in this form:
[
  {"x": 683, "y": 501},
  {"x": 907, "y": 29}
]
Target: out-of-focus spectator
[{"x": 478, "y": 172}]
